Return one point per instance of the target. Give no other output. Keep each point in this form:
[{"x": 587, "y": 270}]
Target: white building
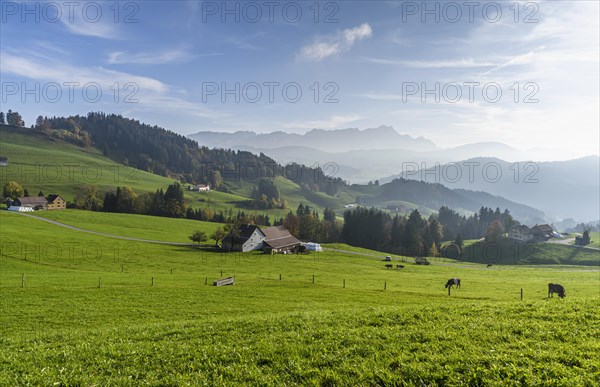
[
  {"x": 520, "y": 233},
  {"x": 200, "y": 188}
]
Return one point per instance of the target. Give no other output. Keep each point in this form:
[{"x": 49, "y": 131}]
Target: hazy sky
[{"x": 430, "y": 69}]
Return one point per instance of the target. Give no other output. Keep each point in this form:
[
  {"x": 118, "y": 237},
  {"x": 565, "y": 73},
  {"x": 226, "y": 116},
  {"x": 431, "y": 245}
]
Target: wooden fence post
[
  {"x": 98, "y": 282},
  {"x": 152, "y": 281},
  {"x": 221, "y": 273},
  {"x": 280, "y": 277},
  {"x": 385, "y": 285},
  {"x": 122, "y": 268},
  {"x": 344, "y": 284},
  {"x": 23, "y": 280},
  {"x": 206, "y": 281},
  {"x": 313, "y": 278},
  {"x": 521, "y": 294}
]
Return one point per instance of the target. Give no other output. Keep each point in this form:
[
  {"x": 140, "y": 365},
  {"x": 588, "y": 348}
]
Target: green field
[
  {"x": 130, "y": 225},
  {"x": 63, "y": 328},
  {"x": 595, "y": 237},
  {"x": 508, "y": 252},
  {"x": 55, "y": 167}
]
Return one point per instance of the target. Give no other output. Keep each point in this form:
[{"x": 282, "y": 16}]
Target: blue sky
[{"x": 429, "y": 69}]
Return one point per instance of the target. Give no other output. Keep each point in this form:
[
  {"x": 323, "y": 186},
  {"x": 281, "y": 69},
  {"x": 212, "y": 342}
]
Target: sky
[{"x": 522, "y": 73}]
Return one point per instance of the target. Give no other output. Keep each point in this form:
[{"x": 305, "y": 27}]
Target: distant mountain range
[
  {"x": 562, "y": 189},
  {"x": 342, "y": 140},
  {"x": 363, "y": 155}
]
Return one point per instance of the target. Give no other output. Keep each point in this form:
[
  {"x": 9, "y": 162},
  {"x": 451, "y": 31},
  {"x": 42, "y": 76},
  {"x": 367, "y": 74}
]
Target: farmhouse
[
  {"x": 520, "y": 233},
  {"x": 249, "y": 237},
  {"x": 279, "y": 240},
  {"x": 536, "y": 233},
  {"x": 542, "y": 232},
  {"x": 270, "y": 240},
  {"x": 55, "y": 202},
  {"x": 36, "y": 203},
  {"x": 199, "y": 188}
]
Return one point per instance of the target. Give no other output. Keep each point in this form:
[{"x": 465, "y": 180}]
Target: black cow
[
  {"x": 389, "y": 266},
  {"x": 453, "y": 281},
  {"x": 556, "y": 288},
  {"x": 399, "y": 266}
]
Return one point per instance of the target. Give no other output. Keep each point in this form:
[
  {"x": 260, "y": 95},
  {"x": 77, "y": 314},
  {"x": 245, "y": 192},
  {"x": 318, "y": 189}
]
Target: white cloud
[
  {"x": 332, "y": 45},
  {"x": 99, "y": 29},
  {"x": 358, "y": 33},
  {"x": 440, "y": 64},
  {"x": 149, "y": 93},
  {"x": 61, "y": 72},
  {"x": 169, "y": 56}
]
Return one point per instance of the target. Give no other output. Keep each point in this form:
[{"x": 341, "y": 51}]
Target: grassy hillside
[
  {"x": 129, "y": 225},
  {"x": 39, "y": 162},
  {"x": 595, "y": 237},
  {"x": 61, "y": 328},
  {"x": 509, "y": 253}
]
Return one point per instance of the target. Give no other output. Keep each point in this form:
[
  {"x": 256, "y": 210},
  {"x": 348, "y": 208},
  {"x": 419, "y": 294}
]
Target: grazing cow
[
  {"x": 489, "y": 265},
  {"x": 453, "y": 281},
  {"x": 556, "y": 288},
  {"x": 389, "y": 266},
  {"x": 399, "y": 266}
]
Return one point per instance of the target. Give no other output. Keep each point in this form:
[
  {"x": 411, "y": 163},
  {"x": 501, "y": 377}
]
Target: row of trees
[
  {"x": 475, "y": 226},
  {"x": 416, "y": 236},
  {"x": 378, "y": 230},
  {"x": 169, "y": 203},
  {"x": 11, "y": 118},
  {"x": 307, "y": 225}
]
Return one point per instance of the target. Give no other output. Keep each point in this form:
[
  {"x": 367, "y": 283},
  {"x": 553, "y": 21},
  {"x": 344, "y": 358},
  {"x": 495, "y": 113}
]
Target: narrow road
[
  {"x": 105, "y": 234},
  {"x": 569, "y": 242}
]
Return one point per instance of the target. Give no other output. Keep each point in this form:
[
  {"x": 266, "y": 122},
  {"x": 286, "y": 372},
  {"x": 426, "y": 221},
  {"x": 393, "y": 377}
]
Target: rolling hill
[
  {"x": 562, "y": 189},
  {"x": 43, "y": 160}
]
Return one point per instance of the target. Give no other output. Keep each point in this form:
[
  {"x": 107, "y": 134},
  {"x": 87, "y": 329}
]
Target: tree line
[
  {"x": 415, "y": 236},
  {"x": 11, "y": 118},
  {"x": 308, "y": 225}
]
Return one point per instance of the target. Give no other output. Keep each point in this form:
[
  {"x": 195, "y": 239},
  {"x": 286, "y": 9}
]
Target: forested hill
[
  {"x": 435, "y": 195},
  {"x": 160, "y": 151}
]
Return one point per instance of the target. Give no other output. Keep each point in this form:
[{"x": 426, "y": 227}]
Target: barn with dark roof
[{"x": 268, "y": 239}]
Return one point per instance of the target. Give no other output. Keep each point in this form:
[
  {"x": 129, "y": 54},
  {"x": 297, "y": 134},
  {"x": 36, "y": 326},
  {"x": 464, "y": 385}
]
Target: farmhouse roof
[
  {"x": 52, "y": 198},
  {"x": 278, "y": 237},
  {"x": 542, "y": 228},
  {"x": 33, "y": 201}
]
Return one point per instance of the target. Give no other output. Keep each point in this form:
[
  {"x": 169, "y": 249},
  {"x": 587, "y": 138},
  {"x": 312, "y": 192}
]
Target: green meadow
[
  {"x": 96, "y": 310},
  {"x": 130, "y": 225}
]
